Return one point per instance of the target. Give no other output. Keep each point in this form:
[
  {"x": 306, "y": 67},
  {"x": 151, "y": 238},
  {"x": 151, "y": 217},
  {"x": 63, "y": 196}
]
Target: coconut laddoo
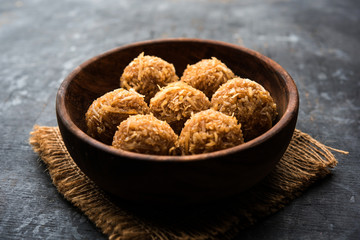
[
  {"x": 209, "y": 131},
  {"x": 145, "y": 134},
  {"x": 146, "y": 74},
  {"x": 249, "y": 102},
  {"x": 207, "y": 75},
  {"x": 109, "y": 110},
  {"x": 176, "y": 102}
]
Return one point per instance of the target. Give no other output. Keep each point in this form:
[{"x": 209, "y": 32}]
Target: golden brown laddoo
[
  {"x": 146, "y": 74},
  {"x": 176, "y": 102},
  {"x": 249, "y": 102},
  {"x": 207, "y": 75},
  {"x": 109, "y": 110},
  {"x": 145, "y": 134},
  {"x": 209, "y": 131}
]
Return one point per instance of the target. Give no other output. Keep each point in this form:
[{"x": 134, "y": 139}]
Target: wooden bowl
[{"x": 174, "y": 180}]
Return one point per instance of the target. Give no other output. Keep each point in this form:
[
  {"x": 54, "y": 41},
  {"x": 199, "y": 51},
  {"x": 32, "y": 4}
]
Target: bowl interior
[{"x": 101, "y": 74}]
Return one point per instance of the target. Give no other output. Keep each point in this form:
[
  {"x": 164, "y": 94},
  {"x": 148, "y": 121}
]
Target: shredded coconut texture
[
  {"x": 249, "y": 102},
  {"x": 176, "y": 103},
  {"x": 207, "y": 75},
  {"x": 145, "y": 134},
  {"x": 146, "y": 74},
  {"x": 109, "y": 110},
  {"x": 209, "y": 131}
]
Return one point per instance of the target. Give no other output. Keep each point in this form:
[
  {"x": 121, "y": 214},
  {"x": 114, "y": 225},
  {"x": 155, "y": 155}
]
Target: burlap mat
[{"x": 305, "y": 161}]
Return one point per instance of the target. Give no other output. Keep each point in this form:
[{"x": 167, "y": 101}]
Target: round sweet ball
[
  {"x": 109, "y": 110},
  {"x": 146, "y": 74},
  {"x": 145, "y": 134},
  {"x": 207, "y": 75},
  {"x": 209, "y": 131},
  {"x": 249, "y": 102},
  {"x": 176, "y": 102}
]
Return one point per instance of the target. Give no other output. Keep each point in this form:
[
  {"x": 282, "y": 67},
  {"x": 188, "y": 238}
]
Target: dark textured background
[{"x": 317, "y": 42}]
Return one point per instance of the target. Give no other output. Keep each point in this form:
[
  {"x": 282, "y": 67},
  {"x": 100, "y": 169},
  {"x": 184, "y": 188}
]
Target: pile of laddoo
[{"x": 154, "y": 111}]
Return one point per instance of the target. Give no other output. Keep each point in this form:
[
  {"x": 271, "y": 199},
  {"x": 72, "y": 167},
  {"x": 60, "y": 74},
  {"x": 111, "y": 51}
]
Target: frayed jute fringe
[{"x": 305, "y": 161}]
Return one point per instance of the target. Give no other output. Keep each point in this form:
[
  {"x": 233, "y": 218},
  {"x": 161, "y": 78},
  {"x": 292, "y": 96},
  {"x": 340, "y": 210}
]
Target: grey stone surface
[{"x": 317, "y": 42}]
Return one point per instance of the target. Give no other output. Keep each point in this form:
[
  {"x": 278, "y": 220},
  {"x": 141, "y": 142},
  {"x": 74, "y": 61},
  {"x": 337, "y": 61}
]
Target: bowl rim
[{"x": 289, "y": 114}]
